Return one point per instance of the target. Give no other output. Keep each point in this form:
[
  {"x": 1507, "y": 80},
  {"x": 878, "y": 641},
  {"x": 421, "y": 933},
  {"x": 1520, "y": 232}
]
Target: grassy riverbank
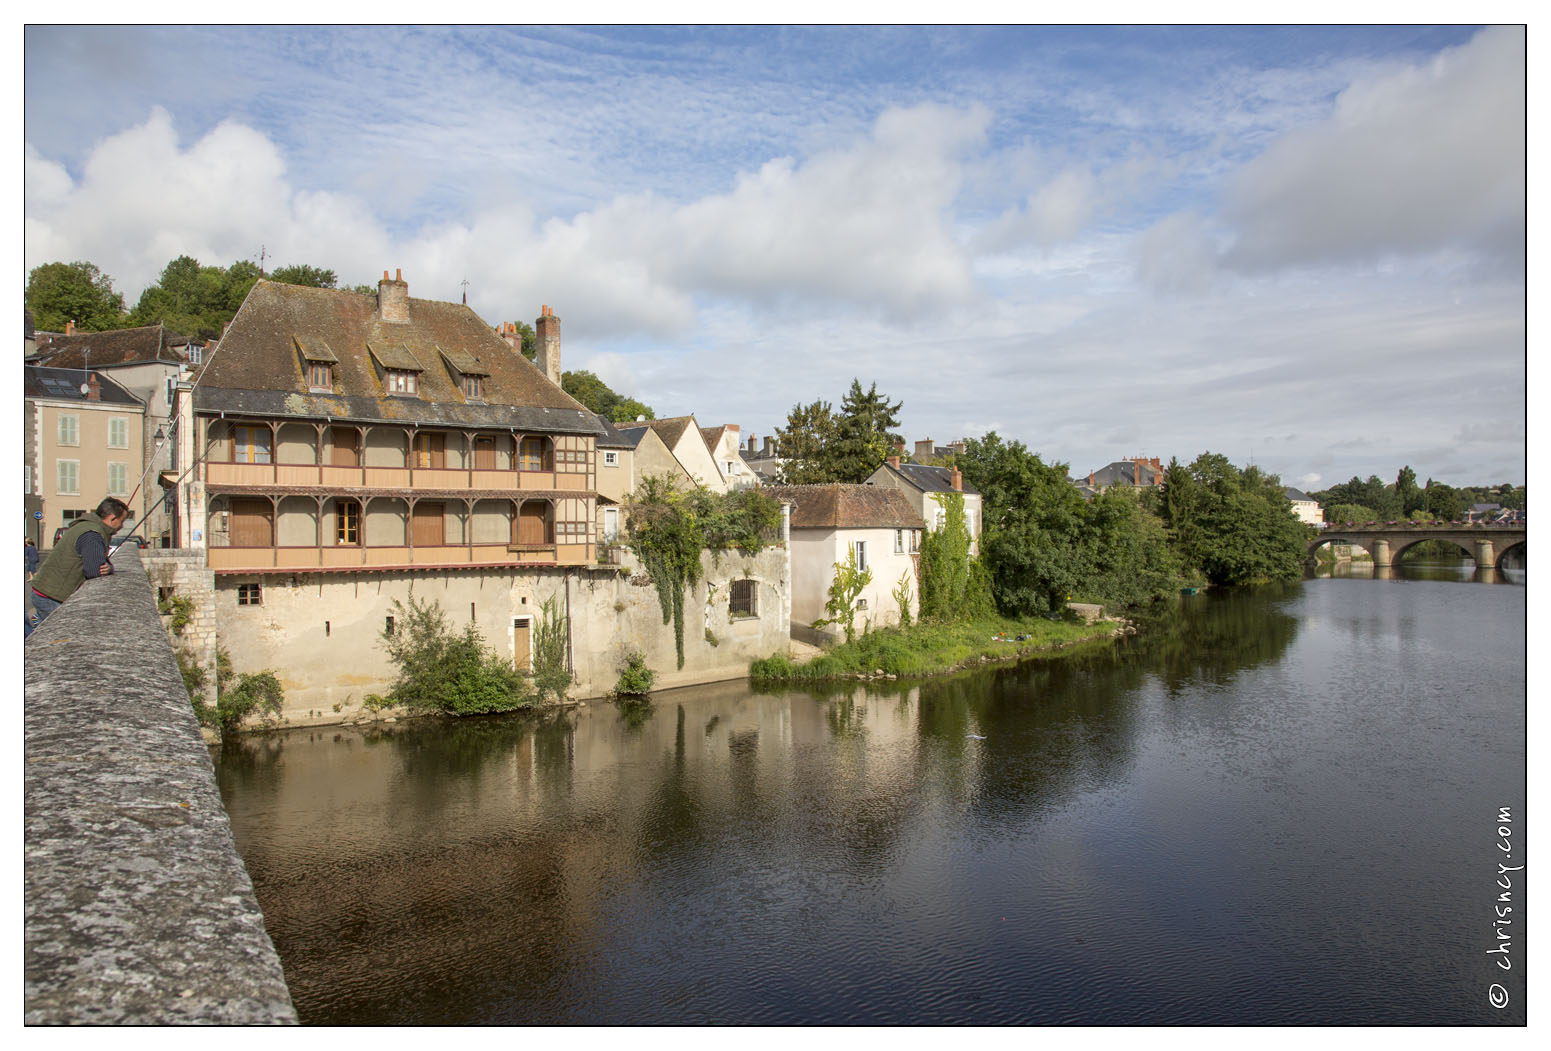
[{"x": 930, "y": 649}]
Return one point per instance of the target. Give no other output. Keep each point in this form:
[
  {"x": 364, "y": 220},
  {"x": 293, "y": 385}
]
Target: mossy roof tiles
[
  {"x": 840, "y": 506},
  {"x": 256, "y": 370}
]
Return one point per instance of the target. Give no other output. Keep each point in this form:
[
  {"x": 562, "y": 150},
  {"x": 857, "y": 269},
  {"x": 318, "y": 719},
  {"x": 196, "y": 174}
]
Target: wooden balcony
[
  {"x": 303, "y": 559},
  {"x": 398, "y": 479}
]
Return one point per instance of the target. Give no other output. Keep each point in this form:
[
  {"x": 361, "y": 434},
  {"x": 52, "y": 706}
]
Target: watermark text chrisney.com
[{"x": 1502, "y": 908}]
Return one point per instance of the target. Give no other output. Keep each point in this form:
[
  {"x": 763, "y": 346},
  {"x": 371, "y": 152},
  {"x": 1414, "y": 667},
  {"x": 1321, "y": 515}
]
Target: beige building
[
  {"x": 686, "y": 441},
  {"x": 148, "y": 362},
  {"x": 829, "y": 522},
  {"x": 921, "y": 483},
  {"x": 83, "y": 436},
  {"x": 1305, "y": 507},
  {"x": 723, "y": 443},
  {"x": 351, "y": 451}
]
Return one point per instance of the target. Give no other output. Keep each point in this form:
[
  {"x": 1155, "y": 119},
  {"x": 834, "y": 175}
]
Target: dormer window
[
  {"x": 465, "y": 369},
  {"x": 400, "y": 368},
  {"x": 318, "y": 363},
  {"x": 473, "y": 387},
  {"x": 401, "y": 381}
]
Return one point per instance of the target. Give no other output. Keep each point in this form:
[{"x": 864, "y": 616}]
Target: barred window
[{"x": 744, "y": 600}]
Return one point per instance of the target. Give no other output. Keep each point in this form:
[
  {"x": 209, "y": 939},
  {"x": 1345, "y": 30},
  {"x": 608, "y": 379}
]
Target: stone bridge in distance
[{"x": 1386, "y": 542}]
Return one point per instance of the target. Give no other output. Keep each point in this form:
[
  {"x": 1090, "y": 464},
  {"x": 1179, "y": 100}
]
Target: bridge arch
[
  {"x": 1398, "y": 550},
  {"x": 1326, "y": 539}
]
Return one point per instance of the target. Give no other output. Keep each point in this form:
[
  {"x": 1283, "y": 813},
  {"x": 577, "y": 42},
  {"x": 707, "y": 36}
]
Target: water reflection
[{"x": 1104, "y": 837}]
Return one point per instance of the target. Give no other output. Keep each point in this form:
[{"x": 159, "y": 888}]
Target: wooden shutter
[
  {"x": 532, "y": 525},
  {"x": 429, "y": 524},
  {"x": 251, "y": 523},
  {"x": 484, "y": 453},
  {"x": 347, "y": 447}
]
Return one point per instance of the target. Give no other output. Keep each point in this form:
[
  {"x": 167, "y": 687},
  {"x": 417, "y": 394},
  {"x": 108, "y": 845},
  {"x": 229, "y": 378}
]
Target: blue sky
[{"x": 1303, "y": 247}]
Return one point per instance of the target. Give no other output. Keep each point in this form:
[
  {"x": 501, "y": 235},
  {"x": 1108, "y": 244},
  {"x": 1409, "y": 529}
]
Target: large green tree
[
  {"x": 601, "y": 399},
  {"x": 195, "y": 300},
  {"x": 804, "y": 442},
  {"x": 303, "y": 274},
  {"x": 865, "y": 435},
  {"x": 58, "y": 293},
  {"x": 1410, "y": 495},
  {"x": 1243, "y": 529}
]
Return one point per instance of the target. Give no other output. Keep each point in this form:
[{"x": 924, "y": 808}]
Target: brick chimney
[
  {"x": 894, "y": 462},
  {"x": 393, "y": 298},
  {"x": 958, "y": 480},
  {"x": 93, "y": 388},
  {"x": 547, "y": 328},
  {"x": 69, "y": 328}
]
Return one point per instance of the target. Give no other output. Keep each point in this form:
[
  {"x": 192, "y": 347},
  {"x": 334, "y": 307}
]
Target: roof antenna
[{"x": 465, "y": 284}]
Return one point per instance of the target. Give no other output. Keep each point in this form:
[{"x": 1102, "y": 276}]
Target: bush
[
  {"x": 635, "y": 679},
  {"x": 550, "y": 639},
  {"x": 447, "y": 672}
]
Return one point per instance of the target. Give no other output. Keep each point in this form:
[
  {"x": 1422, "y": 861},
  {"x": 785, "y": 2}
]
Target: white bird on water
[{"x": 974, "y": 737}]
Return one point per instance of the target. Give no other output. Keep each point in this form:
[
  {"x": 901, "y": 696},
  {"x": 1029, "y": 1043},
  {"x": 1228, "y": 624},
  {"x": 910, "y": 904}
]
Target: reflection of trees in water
[
  {"x": 1213, "y": 636},
  {"x": 634, "y": 714}
]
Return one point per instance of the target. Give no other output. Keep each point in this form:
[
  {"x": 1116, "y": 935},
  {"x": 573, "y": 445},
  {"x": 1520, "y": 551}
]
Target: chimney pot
[
  {"x": 93, "y": 388},
  {"x": 398, "y": 275}
]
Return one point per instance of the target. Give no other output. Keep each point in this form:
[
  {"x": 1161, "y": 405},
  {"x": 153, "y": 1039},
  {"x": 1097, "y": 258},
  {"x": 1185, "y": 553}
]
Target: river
[{"x": 1270, "y": 806}]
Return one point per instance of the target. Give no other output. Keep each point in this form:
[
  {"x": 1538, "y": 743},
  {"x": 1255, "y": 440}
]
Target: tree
[
  {"x": 1444, "y": 501},
  {"x": 599, "y": 398},
  {"x": 864, "y": 437},
  {"x": 1411, "y": 497},
  {"x": 195, "y": 300},
  {"x": 1246, "y": 530},
  {"x": 58, "y": 293},
  {"x": 302, "y": 274},
  {"x": 844, "y": 590},
  {"x": 1339, "y": 514},
  {"x": 803, "y": 444},
  {"x": 530, "y": 340}
]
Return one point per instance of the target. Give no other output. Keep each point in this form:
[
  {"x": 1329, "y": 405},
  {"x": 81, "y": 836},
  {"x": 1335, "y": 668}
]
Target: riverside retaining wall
[{"x": 138, "y": 908}]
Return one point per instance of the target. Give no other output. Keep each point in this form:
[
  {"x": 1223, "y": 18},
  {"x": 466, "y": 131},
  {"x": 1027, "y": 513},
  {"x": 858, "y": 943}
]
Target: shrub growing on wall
[
  {"x": 450, "y": 672},
  {"x": 550, "y": 676}
]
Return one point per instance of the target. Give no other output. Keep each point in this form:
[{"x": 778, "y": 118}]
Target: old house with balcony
[{"x": 351, "y": 450}]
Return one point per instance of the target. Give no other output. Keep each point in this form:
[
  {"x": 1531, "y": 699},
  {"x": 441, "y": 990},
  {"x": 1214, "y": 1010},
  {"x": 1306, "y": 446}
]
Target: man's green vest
[{"x": 61, "y": 572}]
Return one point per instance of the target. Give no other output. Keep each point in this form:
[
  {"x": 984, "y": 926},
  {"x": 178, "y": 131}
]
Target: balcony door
[
  {"x": 252, "y": 522},
  {"x": 430, "y": 450},
  {"x": 430, "y": 524}
]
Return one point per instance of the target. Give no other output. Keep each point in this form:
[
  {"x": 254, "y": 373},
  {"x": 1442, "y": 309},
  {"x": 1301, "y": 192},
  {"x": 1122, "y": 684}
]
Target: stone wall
[
  {"x": 138, "y": 908},
  {"x": 182, "y": 573},
  {"x": 321, "y": 632}
]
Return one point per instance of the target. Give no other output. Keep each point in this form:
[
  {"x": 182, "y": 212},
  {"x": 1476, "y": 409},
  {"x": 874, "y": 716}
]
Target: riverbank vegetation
[
  {"x": 455, "y": 672},
  {"x": 929, "y": 649}
]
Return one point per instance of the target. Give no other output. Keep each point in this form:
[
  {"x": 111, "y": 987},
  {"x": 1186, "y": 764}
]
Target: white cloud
[{"x": 1412, "y": 160}]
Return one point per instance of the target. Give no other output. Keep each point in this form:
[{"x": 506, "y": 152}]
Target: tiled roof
[
  {"x": 122, "y": 346},
  {"x": 65, "y": 385},
  {"x": 257, "y": 367},
  {"x": 669, "y": 430},
  {"x": 1127, "y": 472},
  {"x": 839, "y": 506},
  {"x": 614, "y": 438},
  {"x": 930, "y": 479}
]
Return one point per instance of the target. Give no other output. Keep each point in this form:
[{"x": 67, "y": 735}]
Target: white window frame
[
  {"x": 860, "y": 547},
  {"x": 402, "y": 382},
  {"x": 610, "y": 524},
  {"x": 120, "y": 485},
  {"x": 246, "y": 449},
  {"x": 118, "y": 432},
  {"x": 69, "y": 429},
  {"x": 72, "y": 487},
  {"x": 610, "y": 458},
  {"x": 196, "y": 353},
  {"x": 899, "y": 541}
]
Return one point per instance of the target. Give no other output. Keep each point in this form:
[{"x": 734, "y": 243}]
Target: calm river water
[{"x": 1273, "y": 806}]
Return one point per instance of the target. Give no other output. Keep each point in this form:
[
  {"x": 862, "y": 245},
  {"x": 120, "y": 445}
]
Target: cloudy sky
[{"x": 1298, "y": 247}]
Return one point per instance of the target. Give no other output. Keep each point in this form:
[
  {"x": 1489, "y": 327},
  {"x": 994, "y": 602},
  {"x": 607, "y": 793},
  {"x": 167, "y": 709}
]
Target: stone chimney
[
  {"x": 753, "y": 443},
  {"x": 769, "y": 445},
  {"x": 93, "y": 388},
  {"x": 925, "y": 450},
  {"x": 958, "y": 480},
  {"x": 393, "y": 298},
  {"x": 547, "y": 328}
]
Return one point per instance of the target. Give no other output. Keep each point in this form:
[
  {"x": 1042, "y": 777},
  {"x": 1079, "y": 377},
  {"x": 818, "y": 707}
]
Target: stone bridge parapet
[
  {"x": 1386, "y": 542},
  {"x": 138, "y": 909}
]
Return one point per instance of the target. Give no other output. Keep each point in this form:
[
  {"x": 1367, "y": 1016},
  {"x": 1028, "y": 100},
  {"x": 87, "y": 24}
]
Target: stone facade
[
  {"x": 321, "y": 633},
  {"x": 182, "y": 573}
]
